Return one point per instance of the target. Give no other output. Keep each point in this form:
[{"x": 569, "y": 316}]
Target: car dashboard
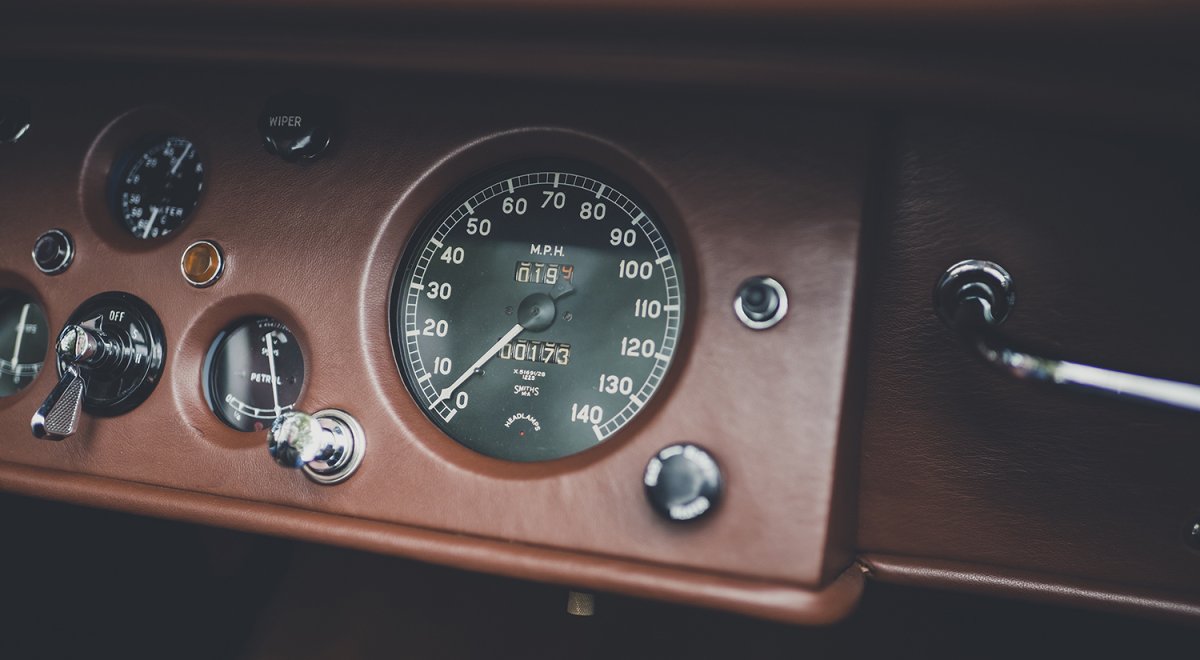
[{"x": 551, "y": 297}]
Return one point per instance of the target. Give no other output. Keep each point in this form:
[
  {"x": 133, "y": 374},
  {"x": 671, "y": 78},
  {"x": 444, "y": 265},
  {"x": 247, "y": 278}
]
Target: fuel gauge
[
  {"x": 23, "y": 341},
  {"x": 254, "y": 373}
]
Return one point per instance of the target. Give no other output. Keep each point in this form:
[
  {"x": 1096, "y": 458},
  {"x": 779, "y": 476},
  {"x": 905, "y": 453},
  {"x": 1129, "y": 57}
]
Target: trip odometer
[{"x": 537, "y": 310}]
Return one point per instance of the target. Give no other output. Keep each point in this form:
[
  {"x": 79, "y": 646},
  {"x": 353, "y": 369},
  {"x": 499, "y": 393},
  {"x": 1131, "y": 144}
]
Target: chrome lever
[
  {"x": 79, "y": 347},
  {"x": 974, "y": 297},
  {"x": 59, "y": 413}
]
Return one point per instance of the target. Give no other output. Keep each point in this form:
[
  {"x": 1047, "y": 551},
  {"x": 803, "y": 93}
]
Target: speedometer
[{"x": 537, "y": 310}]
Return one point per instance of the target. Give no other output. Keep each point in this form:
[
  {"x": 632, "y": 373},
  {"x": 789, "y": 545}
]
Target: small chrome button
[
  {"x": 53, "y": 252},
  {"x": 761, "y": 302}
]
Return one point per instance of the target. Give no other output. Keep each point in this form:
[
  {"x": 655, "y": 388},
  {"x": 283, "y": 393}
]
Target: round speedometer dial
[{"x": 537, "y": 310}]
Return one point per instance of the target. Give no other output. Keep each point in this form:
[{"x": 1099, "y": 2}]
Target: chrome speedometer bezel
[{"x": 426, "y": 237}]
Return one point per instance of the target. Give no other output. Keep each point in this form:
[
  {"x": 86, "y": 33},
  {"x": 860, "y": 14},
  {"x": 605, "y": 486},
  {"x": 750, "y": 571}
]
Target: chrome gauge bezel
[{"x": 507, "y": 179}]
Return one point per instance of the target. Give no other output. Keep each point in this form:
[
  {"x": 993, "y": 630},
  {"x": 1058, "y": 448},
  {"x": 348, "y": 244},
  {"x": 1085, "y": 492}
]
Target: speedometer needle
[
  {"x": 508, "y": 336},
  {"x": 536, "y": 313}
]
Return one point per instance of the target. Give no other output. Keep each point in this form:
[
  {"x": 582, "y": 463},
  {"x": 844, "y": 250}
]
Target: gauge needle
[
  {"x": 271, "y": 362},
  {"x": 508, "y": 336},
  {"x": 150, "y": 223},
  {"x": 533, "y": 321},
  {"x": 17, "y": 345},
  {"x": 179, "y": 160}
]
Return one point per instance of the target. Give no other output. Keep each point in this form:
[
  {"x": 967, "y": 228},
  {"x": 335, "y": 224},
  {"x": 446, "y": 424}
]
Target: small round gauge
[
  {"x": 156, "y": 185},
  {"x": 536, "y": 312},
  {"x": 23, "y": 341},
  {"x": 254, "y": 373}
]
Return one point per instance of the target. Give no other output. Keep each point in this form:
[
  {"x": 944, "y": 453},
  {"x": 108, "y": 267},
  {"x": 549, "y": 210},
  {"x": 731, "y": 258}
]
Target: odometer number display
[{"x": 537, "y": 310}]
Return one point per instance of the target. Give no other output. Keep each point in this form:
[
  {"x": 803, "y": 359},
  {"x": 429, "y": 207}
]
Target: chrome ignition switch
[{"x": 110, "y": 358}]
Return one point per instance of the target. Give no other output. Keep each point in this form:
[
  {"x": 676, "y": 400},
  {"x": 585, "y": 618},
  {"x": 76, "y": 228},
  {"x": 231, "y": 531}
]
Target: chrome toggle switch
[
  {"x": 59, "y": 414},
  {"x": 78, "y": 348},
  {"x": 327, "y": 446},
  {"x": 110, "y": 358}
]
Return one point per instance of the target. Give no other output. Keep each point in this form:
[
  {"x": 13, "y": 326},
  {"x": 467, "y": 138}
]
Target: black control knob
[
  {"x": 297, "y": 126},
  {"x": 683, "y": 482},
  {"x": 761, "y": 302},
  {"x": 14, "y": 118},
  {"x": 53, "y": 252}
]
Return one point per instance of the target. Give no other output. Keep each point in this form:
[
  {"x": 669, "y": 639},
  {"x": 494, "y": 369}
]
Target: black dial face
[
  {"x": 156, "y": 186},
  {"x": 537, "y": 311},
  {"x": 255, "y": 372},
  {"x": 23, "y": 341}
]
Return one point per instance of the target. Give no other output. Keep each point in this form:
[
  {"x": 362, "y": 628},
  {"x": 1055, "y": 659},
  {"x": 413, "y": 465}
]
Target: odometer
[{"x": 537, "y": 310}]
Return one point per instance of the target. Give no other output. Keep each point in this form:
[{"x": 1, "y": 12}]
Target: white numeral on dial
[{"x": 586, "y": 414}]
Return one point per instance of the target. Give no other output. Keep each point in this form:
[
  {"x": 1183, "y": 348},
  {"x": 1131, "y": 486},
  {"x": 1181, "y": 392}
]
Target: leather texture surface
[
  {"x": 747, "y": 185},
  {"x": 1040, "y": 587},
  {"x": 961, "y": 463}
]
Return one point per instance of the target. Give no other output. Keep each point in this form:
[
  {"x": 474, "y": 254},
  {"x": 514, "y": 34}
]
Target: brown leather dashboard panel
[
  {"x": 748, "y": 185},
  {"x": 965, "y": 465},
  {"x": 814, "y": 142}
]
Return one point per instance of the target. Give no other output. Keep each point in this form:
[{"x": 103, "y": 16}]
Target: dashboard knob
[
  {"x": 81, "y": 346},
  {"x": 683, "y": 482},
  {"x": 53, "y": 251},
  {"x": 297, "y": 126},
  {"x": 327, "y": 446},
  {"x": 14, "y": 119},
  {"x": 761, "y": 302}
]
